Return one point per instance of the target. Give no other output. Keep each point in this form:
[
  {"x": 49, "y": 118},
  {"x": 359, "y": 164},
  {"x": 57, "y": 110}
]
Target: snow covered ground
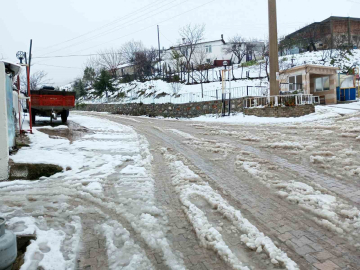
[
  {"x": 259, "y": 195},
  {"x": 321, "y": 113},
  {"x": 110, "y": 158},
  {"x": 136, "y": 92}
]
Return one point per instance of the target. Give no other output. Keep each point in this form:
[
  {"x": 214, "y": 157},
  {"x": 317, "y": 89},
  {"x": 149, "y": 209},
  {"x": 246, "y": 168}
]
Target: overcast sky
[{"x": 66, "y": 27}]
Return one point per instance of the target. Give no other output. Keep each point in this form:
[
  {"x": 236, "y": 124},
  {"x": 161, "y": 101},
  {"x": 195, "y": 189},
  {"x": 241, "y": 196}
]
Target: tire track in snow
[{"x": 187, "y": 184}]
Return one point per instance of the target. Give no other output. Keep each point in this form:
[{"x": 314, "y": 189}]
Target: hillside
[{"x": 158, "y": 91}]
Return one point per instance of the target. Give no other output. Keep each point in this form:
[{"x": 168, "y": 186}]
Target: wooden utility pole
[
  {"x": 273, "y": 49},
  {"x": 158, "y": 32}
]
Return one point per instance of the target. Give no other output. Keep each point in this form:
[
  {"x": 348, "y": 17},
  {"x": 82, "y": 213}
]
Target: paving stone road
[{"x": 292, "y": 228}]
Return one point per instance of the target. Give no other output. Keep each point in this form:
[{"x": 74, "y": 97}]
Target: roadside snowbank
[{"x": 321, "y": 113}]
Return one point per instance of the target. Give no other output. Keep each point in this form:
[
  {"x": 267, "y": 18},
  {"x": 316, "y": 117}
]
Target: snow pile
[
  {"x": 321, "y": 113},
  {"x": 122, "y": 251},
  {"x": 252, "y": 165},
  {"x": 46, "y": 250},
  {"x": 188, "y": 184},
  {"x": 286, "y": 145},
  {"x": 211, "y": 146},
  {"x": 329, "y": 211}
]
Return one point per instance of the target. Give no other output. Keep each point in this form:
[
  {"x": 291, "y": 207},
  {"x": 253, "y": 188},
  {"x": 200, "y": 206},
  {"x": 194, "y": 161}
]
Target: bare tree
[
  {"x": 191, "y": 36},
  {"x": 265, "y": 56},
  {"x": 144, "y": 62},
  {"x": 201, "y": 63},
  {"x": 93, "y": 63},
  {"x": 237, "y": 46},
  {"x": 129, "y": 50},
  {"x": 109, "y": 59},
  {"x": 37, "y": 79}
]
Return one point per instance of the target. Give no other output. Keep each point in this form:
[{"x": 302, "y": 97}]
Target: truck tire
[
  {"x": 33, "y": 117},
  {"x": 64, "y": 116}
]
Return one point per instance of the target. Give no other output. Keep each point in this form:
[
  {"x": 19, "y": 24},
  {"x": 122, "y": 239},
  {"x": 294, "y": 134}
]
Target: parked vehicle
[{"x": 51, "y": 103}]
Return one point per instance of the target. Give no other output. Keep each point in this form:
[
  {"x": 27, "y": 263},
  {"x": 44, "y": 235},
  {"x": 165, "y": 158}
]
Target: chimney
[
  {"x": 183, "y": 40},
  {"x": 222, "y": 37}
]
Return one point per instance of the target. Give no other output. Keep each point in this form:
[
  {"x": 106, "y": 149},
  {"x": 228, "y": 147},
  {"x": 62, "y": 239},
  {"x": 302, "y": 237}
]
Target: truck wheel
[
  {"x": 64, "y": 116},
  {"x": 33, "y": 117}
]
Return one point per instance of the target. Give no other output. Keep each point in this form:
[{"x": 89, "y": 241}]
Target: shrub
[{"x": 249, "y": 64}]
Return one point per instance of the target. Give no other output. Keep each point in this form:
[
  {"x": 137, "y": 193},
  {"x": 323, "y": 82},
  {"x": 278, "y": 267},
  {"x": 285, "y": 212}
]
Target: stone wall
[
  {"x": 187, "y": 110},
  {"x": 291, "y": 111}
]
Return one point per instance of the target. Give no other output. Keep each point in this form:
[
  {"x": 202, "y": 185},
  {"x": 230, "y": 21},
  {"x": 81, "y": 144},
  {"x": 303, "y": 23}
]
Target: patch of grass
[{"x": 249, "y": 64}]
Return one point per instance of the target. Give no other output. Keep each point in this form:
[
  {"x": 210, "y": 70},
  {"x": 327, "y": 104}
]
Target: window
[
  {"x": 295, "y": 83},
  {"x": 208, "y": 60},
  {"x": 208, "y": 49},
  {"x": 322, "y": 84}
]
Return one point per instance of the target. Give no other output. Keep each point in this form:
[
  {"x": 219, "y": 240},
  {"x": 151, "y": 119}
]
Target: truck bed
[{"x": 52, "y": 100}]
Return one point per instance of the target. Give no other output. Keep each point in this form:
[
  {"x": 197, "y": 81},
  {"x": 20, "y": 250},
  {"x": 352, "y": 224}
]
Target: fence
[
  {"x": 237, "y": 92},
  {"x": 282, "y": 100}
]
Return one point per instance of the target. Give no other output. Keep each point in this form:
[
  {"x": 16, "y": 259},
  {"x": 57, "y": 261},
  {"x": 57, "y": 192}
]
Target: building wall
[
  {"x": 321, "y": 32},
  {"x": 329, "y": 95},
  {"x": 4, "y": 148},
  {"x": 217, "y": 51}
]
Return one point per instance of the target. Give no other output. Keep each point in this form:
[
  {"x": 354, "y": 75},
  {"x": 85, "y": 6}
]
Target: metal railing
[
  {"x": 281, "y": 100},
  {"x": 237, "y": 92}
]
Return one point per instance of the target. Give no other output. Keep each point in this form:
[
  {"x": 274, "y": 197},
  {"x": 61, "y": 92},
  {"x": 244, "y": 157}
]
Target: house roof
[
  {"x": 11, "y": 67},
  {"x": 200, "y": 43},
  {"x": 332, "y": 18},
  {"x": 308, "y": 66}
]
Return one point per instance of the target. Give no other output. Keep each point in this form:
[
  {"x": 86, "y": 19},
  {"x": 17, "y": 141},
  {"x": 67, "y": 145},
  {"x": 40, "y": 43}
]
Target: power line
[
  {"x": 56, "y": 66},
  {"x": 107, "y": 24},
  {"x": 145, "y": 28},
  {"x": 71, "y": 55},
  {"x": 122, "y": 26}
]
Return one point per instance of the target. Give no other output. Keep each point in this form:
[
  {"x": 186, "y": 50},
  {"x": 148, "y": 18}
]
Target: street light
[{"x": 20, "y": 55}]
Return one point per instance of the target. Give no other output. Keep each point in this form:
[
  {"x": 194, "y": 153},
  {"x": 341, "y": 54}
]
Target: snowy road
[
  {"x": 297, "y": 183},
  {"x": 166, "y": 194}
]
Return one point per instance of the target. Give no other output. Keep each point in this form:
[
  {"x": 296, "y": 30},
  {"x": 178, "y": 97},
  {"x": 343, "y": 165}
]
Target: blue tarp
[{"x": 10, "y": 114}]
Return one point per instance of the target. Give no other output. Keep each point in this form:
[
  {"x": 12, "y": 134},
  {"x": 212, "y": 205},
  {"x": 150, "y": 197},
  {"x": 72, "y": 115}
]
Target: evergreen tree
[
  {"x": 89, "y": 75},
  {"x": 79, "y": 88},
  {"x": 103, "y": 83}
]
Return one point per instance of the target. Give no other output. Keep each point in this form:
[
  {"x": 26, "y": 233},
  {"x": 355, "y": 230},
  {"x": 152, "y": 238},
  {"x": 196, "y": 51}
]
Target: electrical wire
[
  {"x": 55, "y": 66},
  {"x": 121, "y": 26},
  {"x": 145, "y": 28},
  {"x": 107, "y": 24}
]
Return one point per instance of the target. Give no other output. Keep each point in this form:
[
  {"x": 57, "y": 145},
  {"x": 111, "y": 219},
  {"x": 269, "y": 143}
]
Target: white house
[{"x": 215, "y": 50}]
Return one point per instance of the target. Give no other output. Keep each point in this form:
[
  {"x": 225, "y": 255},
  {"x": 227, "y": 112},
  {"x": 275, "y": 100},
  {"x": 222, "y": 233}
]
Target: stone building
[
  {"x": 330, "y": 33},
  {"x": 314, "y": 80}
]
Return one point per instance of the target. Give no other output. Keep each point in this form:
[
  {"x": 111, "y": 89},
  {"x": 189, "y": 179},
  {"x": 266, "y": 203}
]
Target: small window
[
  {"x": 322, "y": 84},
  {"x": 208, "y": 49},
  {"x": 295, "y": 83},
  {"x": 208, "y": 61}
]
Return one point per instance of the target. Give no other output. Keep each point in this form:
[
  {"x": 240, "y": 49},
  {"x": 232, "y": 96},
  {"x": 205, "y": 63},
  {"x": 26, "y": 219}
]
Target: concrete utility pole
[{"x": 273, "y": 49}]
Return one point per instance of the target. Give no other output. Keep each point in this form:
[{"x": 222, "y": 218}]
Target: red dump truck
[{"x": 51, "y": 103}]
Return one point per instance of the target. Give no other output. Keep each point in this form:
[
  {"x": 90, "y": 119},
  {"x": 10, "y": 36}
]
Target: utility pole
[
  {"x": 159, "y": 49},
  {"x": 28, "y": 86},
  {"x": 273, "y": 49}
]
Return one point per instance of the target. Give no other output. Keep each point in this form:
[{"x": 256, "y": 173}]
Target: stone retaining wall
[
  {"x": 190, "y": 110},
  {"x": 187, "y": 110},
  {"x": 291, "y": 111}
]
